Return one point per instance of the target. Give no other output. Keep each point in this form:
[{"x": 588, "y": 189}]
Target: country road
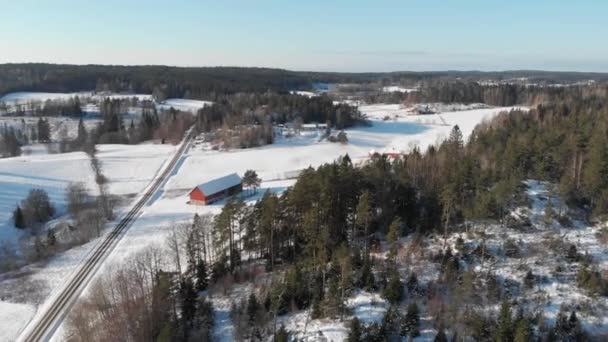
[{"x": 52, "y": 313}]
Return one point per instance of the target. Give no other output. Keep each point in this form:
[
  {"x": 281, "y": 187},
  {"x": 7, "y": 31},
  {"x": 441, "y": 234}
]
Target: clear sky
[{"x": 325, "y": 35}]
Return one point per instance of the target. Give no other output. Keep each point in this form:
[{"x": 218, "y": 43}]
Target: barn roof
[{"x": 219, "y": 184}]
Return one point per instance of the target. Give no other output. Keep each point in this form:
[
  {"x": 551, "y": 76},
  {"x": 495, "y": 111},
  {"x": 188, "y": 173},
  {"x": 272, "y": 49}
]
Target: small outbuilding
[{"x": 216, "y": 189}]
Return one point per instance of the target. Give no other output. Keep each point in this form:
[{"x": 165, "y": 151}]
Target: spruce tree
[
  {"x": 368, "y": 282},
  {"x": 393, "y": 238},
  {"x": 201, "y": 276},
  {"x": 410, "y": 324},
  {"x": 391, "y": 322},
  {"x": 252, "y": 308},
  {"x": 523, "y": 332},
  {"x": 51, "y": 239},
  {"x": 18, "y": 218},
  {"x": 355, "y": 333},
  {"x": 188, "y": 300},
  {"x": 281, "y": 335},
  {"x": 504, "y": 332},
  {"x": 394, "y": 289},
  {"x": 441, "y": 337},
  {"x": 363, "y": 214},
  {"x": 82, "y": 133},
  {"x": 412, "y": 284}
]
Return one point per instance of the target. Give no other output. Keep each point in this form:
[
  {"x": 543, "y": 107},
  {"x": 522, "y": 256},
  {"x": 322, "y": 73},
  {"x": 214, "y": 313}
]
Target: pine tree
[
  {"x": 394, "y": 289},
  {"x": 441, "y": 337},
  {"x": 334, "y": 303},
  {"x": 207, "y": 319},
  {"x": 363, "y": 219},
  {"x": 281, "y": 335},
  {"x": 44, "y": 130},
  {"x": 391, "y": 323},
  {"x": 455, "y": 142},
  {"x": 316, "y": 311},
  {"x": 549, "y": 213},
  {"x": 82, "y": 136},
  {"x": 368, "y": 281},
  {"x": 51, "y": 239},
  {"x": 595, "y": 173},
  {"x": 251, "y": 180},
  {"x": 355, "y": 333},
  {"x": 201, "y": 276},
  {"x": 188, "y": 300},
  {"x": 252, "y": 308},
  {"x": 576, "y": 331},
  {"x": 523, "y": 332},
  {"x": 18, "y": 218},
  {"x": 504, "y": 332},
  {"x": 393, "y": 238},
  {"x": 412, "y": 284},
  {"x": 410, "y": 325}
]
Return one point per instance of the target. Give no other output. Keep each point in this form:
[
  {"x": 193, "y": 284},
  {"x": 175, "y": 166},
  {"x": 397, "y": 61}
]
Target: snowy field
[
  {"x": 130, "y": 168},
  {"x": 21, "y": 98},
  {"x": 399, "y": 89},
  {"x": 183, "y": 105},
  {"x": 90, "y": 100},
  {"x": 59, "y": 126}
]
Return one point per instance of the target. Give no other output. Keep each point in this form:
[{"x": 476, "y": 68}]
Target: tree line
[{"x": 504, "y": 94}]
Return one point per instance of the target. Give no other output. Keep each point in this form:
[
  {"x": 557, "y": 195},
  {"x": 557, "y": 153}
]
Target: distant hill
[{"x": 206, "y": 83}]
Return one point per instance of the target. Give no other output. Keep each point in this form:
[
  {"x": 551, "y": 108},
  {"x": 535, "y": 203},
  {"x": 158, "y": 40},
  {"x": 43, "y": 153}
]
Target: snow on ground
[
  {"x": 128, "y": 168},
  {"x": 403, "y": 131},
  {"x": 25, "y": 97},
  {"x": 392, "y": 89},
  {"x": 58, "y": 125},
  {"x": 9, "y": 313},
  {"x": 367, "y": 307},
  {"x": 90, "y": 101},
  {"x": 288, "y": 155},
  {"x": 304, "y": 93},
  {"x": 19, "y": 98},
  {"x": 543, "y": 254},
  {"x": 183, "y": 105},
  {"x": 140, "y": 97}
]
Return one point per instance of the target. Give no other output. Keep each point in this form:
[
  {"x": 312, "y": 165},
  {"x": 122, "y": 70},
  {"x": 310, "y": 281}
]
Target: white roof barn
[
  {"x": 216, "y": 189},
  {"x": 219, "y": 184}
]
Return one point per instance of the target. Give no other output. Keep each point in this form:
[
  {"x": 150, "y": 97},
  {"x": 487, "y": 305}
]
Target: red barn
[{"x": 215, "y": 190}]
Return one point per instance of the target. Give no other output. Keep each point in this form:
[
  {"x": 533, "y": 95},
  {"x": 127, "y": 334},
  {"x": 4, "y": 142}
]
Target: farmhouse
[{"x": 215, "y": 190}]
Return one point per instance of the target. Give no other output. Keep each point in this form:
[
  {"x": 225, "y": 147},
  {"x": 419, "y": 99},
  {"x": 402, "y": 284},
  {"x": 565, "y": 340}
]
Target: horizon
[
  {"x": 464, "y": 71},
  {"x": 354, "y": 37}
]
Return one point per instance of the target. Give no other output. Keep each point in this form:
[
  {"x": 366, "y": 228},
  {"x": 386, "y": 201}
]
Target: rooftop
[{"x": 219, "y": 184}]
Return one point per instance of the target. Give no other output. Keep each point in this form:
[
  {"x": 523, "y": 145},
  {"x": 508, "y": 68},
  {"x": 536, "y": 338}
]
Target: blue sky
[{"x": 311, "y": 35}]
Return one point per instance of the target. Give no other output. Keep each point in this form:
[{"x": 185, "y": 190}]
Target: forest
[
  {"x": 207, "y": 83},
  {"x": 256, "y": 109},
  {"x": 504, "y": 94}
]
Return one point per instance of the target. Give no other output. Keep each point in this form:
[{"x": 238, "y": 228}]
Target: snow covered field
[
  {"x": 130, "y": 168},
  {"x": 399, "y": 89},
  {"x": 58, "y": 125},
  {"x": 183, "y": 105},
  {"x": 21, "y": 98},
  {"x": 90, "y": 101}
]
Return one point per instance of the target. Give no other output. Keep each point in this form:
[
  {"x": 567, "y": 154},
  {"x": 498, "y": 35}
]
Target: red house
[{"x": 215, "y": 190}]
